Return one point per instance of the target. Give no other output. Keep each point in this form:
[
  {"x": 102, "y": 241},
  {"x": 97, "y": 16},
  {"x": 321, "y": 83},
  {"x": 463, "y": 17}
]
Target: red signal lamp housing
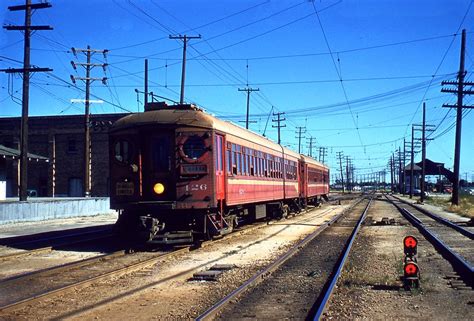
[
  {"x": 410, "y": 245},
  {"x": 411, "y": 270}
]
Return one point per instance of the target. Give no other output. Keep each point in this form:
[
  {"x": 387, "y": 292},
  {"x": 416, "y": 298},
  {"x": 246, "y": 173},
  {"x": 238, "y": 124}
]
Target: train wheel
[{"x": 285, "y": 211}]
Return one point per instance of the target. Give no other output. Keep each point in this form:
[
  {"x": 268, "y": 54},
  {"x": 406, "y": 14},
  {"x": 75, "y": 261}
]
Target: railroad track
[
  {"x": 289, "y": 287},
  {"x": 22, "y": 290},
  {"x": 52, "y": 236},
  {"x": 451, "y": 240},
  {"x": 86, "y": 238},
  {"x": 25, "y": 289},
  {"x": 47, "y": 242}
]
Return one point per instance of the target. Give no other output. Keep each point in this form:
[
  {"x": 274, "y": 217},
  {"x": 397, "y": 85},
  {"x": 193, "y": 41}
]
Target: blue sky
[{"x": 355, "y": 74}]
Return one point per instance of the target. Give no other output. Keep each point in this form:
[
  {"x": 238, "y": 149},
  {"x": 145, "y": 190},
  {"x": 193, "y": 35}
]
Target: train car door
[{"x": 219, "y": 167}]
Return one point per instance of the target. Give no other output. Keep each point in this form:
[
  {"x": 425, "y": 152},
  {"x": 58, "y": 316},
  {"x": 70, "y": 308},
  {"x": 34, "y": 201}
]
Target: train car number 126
[{"x": 196, "y": 187}]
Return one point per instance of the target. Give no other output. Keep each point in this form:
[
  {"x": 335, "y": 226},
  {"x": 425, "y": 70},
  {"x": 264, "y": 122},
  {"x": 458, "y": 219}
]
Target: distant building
[{"x": 61, "y": 140}]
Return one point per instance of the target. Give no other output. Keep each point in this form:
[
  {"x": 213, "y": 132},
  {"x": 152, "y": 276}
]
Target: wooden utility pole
[
  {"x": 300, "y": 132},
  {"x": 399, "y": 170},
  {"x": 348, "y": 185},
  {"x": 145, "y": 100},
  {"x": 322, "y": 154},
  {"x": 248, "y": 90},
  {"x": 460, "y": 91},
  {"x": 88, "y": 81},
  {"x": 339, "y": 155},
  {"x": 25, "y": 71},
  {"x": 412, "y": 160},
  {"x": 404, "y": 187},
  {"x": 391, "y": 173},
  {"x": 278, "y": 121},
  {"x": 310, "y": 146},
  {"x": 185, "y": 39}
]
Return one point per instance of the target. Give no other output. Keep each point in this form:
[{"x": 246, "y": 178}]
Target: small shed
[{"x": 7, "y": 153}]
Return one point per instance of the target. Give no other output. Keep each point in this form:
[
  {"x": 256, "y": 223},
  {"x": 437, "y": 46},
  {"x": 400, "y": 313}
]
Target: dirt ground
[
  {"x": 371, "y": 285},
  {"x": 165, "y": 292}
]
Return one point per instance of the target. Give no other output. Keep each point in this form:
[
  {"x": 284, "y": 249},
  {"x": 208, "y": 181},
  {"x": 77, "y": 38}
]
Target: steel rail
[
  {"x": 26, "y": 253},
  {"x": 65, "y": 267},
  {"x": 51, "y": 248},
  {"x": 117, "y": 272},
  {"x": 460, "y": 265},
  {"x": 86, "y": 282},
  {"x": 321, "y": 304},
  {"x": 28, "y": 239},
  {"x": 439, "y": 219},
  {"x": 261, "y": 275}
]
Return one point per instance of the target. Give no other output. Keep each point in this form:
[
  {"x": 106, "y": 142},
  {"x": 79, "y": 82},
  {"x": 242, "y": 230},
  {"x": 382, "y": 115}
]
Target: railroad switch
[{"x": 411, "y": 271}]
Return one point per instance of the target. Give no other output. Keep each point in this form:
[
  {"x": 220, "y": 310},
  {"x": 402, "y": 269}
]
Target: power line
[{"x": 338, "y": 73}]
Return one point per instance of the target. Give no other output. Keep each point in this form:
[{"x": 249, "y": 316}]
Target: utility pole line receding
[
  {"x": 185, "y": 39},
  {"x": 391, "y": 173},
  {"x": 27, "y": 28},
  {"x": 248, "y": 90},
  {"x": 278, "y": 121},
  {"x": 300, "y": 132},
  {"x": 339, "y": 155},
  {"x": 400, "y": 170},
  {"x": 348, "y": 186},
  {"x": 424, "y": 128},
  {"x": 423, "y": 155},
  {"x": 88, "y": 81},
  {"x": 460, "y": 91},
  {"x": 322, "y": 154}
]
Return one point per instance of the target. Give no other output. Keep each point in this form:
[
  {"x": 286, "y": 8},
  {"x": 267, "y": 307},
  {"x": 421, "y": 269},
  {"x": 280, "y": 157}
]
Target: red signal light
[
  {"x": 410, "y": 244},
  {"x": 411, "y": 269}
]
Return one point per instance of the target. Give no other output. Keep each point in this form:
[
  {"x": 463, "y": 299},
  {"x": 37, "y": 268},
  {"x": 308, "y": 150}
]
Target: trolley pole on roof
[
  {"x": 185, "y": 39},
  {"x": 248, "y": 90},
  {"x": 25, "y": 71}
]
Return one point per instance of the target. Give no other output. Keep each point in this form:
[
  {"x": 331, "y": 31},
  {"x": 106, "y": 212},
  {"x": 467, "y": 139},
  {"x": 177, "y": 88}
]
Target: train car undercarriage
[{"x": 170, "y": 227}]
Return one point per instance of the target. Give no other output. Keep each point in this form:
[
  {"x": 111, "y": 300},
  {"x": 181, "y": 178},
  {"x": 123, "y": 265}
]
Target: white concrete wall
[
  {"x": 3, "y": 190},
  {"x": 46, "y": 209}
]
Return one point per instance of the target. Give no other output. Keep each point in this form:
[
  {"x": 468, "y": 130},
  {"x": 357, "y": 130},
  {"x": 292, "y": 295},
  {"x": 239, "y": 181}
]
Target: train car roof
[
  {"x": 310, "y": 160},
  {"x": 193, "y": 116}
]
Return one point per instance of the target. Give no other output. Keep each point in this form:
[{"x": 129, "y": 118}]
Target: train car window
[
  {"x": 219, "y": 153},
  {"x": 123, "y": 152},
  {"x": 234, "y": 162},
  {"x": 194, "y": 147},
  {"x": 244, "y": 165},
  {"x": 252, "y": 165},
  {"x": 229, "y": 161},
  {"x": 161, "y": 158},
  {"x": 239, "y": 162}
]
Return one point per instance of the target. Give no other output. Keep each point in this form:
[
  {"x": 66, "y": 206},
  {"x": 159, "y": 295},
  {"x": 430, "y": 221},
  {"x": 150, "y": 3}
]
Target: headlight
[{"x": 159, "y": 188}]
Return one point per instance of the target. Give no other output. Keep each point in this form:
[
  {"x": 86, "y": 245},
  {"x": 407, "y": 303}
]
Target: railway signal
[
  {"x": 411, "y": 271},
  {"x": 410, "y": 245}
]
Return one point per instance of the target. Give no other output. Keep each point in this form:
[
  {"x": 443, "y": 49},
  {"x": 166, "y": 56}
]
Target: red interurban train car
[{"x": 178, "y": 174}]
